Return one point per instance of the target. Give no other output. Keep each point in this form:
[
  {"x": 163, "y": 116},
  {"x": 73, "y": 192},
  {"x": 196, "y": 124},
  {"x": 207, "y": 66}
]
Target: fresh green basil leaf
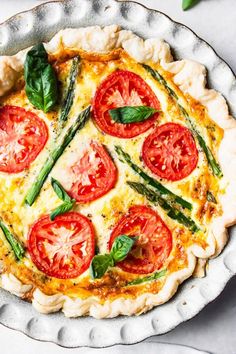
[
  {"x": 131, "y": 114},
  {"x": 40, "y": 79},
  {"x": 62, "y": 209},
  {"x": 99, "y": 265},
  {"x": 60, "y": 191},
  {"x": 151, "y": 277},
  {"x": 187, "y": 4},
  {"x": 16, "y": 246},
  {"x": 121, "y": 247}
]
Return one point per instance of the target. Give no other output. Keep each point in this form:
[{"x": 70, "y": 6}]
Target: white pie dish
[{"x": 90, "y": 332}]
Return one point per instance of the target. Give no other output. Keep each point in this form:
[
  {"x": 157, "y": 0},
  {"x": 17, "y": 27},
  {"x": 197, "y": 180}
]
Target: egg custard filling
[{"x": 111, "y": 181}]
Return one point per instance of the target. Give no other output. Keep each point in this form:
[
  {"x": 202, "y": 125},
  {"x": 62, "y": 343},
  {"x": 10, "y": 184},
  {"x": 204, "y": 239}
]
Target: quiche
[{"x": 117, "y": 174}]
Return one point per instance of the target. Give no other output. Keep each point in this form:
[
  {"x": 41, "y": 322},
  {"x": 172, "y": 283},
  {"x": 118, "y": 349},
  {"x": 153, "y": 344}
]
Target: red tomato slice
[
  {"x": 22, "y": 136},
  {"x": 62, "y": 248},
  {"x": 170, "y": 152},
  {"x": 123, "y": 88},
  {"x": 92, "y": 175},
  {"x": 154, "y": 242}
]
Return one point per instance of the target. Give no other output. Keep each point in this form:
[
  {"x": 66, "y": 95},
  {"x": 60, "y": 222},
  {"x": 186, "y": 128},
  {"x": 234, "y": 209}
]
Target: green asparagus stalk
[
  {"x": 151, "y": 277},
  {"x": 68, "y": 101},
  {"x": 209, "y": 156},
  {"x": 160, "y": 189},
  {"x": 211, "y": 198},
  {"x": 15, "y": 245},
  {"x": 54, "y": 156},
  {"x": 155, "y": 198},
  {"x": 155, "y": 74}
]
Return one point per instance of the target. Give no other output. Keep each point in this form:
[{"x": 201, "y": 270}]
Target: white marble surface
[{"x": 213, "y": 330}]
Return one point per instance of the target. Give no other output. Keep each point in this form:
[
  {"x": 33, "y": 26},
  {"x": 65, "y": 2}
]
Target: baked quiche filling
[{"x": 109, "y": 174}]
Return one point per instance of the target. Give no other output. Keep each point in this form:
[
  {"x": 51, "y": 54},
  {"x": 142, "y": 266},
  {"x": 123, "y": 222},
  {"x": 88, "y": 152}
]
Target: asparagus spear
[
  {"x": 160, "y": 189},
  {"x": 151, "y": 277},
  {"x": 155, "y": 198},
  {"x": 54, "y": 156},
  {"x": 155, "y": 74},
  {"x": 211, "y": 198},
  {"x": 15, "y": 245},
  {"x": 209, "y": 156},
  {"x": 68, "y": 101}
]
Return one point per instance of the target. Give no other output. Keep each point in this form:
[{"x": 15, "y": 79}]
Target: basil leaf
[
  {"x": 151, "y": 277},
  {"x": 40, "y": 79},
  {"x": 99, "y": 265},
  {"x": 60, "y": 191},
  {"x": 187, "y": 4},
  {"x": 121, "y": 247},
  {"x": 14, "y": 243},
  {"x": 62, "y": 209},
  {"x": 129, "y": 114}
]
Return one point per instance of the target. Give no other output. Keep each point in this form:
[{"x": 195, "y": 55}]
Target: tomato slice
[
  {"x": 22, "y": 136},
  {"x": 123, "y": 88},
  {"x": 170, "y": 152},
  {"x": 62, "y": 248},
  {"x": 154, "y": 242},
  {"x": 91, "y": 174}
]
